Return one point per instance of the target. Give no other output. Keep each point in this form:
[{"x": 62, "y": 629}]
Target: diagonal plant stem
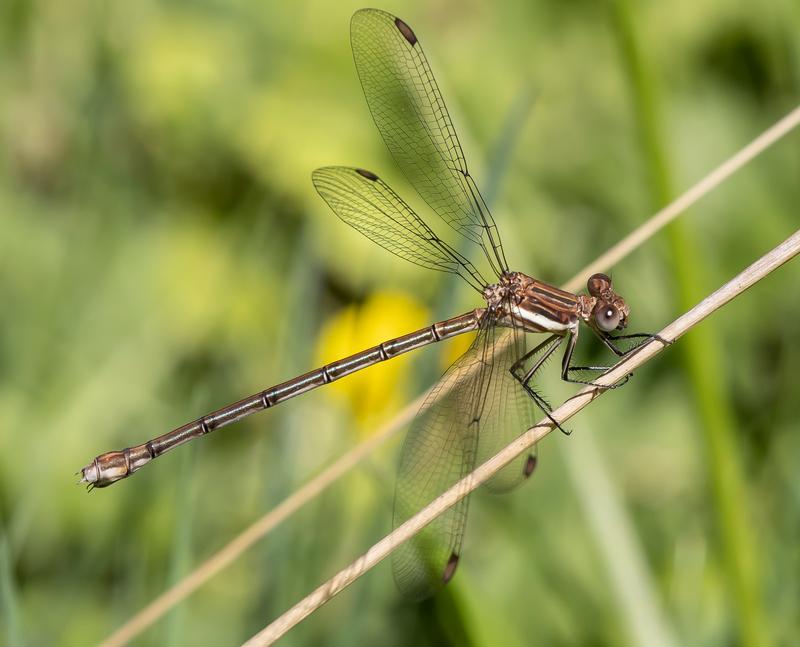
[
  {"x": 256, "y": 531},
  {"x": 247, "y": 538},
  {"x": 702, "y": 356},
  {"x": 754, "y": 273},
  {"x": 675, "y": 208}
]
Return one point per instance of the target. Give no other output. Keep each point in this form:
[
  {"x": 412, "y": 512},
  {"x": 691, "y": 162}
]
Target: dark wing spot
[
  {"x": 407, "y": 32},
  {"x": 530, "y": 465},
  {"x": 367, "y": 174},
  {"x": 450, "y": 569}
]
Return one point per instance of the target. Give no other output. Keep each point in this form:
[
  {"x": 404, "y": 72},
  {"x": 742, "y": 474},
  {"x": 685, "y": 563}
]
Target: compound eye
[
  {"x": 607, "y": 317},
  {"x": 597, "y": 284}
]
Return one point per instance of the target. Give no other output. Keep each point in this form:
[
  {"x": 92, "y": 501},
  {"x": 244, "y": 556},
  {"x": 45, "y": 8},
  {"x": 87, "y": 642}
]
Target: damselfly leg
[
  {"x": 540, "y": 354},
  {"x": 610, "y": 340}
]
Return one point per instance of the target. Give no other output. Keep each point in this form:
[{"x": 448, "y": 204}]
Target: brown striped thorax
[{"x": 535, "y": 306}]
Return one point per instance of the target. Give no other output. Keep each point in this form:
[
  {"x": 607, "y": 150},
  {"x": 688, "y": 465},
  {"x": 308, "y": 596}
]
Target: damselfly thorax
[{"x": 519, "y": 300}]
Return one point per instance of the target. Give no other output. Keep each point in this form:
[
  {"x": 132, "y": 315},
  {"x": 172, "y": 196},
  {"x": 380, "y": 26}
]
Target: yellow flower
[
  {"x": 376, "y": 392},
  {"x": 453, "y": 349}
]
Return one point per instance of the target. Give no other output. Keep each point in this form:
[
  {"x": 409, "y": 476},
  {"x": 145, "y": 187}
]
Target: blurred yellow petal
[
  {"x": 377, "y": 391},
  {"x": 453, "y": 349}
]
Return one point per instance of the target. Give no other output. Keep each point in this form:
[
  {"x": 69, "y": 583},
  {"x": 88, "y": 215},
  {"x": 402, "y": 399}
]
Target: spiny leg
[
  {"x": 567, "y": 367},
  {"x": 550, "y": 345},
  {"x": 555, "y": 340},
  {"x": 608, "y": 340},
  {"x": 545, "y": 407}
]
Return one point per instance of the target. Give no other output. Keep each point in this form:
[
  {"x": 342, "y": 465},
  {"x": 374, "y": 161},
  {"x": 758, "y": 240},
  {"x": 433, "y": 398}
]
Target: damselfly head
[{"x": 610, "y": 311}]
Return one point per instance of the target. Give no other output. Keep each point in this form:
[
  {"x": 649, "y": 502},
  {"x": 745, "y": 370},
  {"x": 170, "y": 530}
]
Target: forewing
[
  {"x": 366, "y": 203},
  {"x": 412, "y": 118}
]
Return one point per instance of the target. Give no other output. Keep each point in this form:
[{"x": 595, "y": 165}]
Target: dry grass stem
[
  {"x": 755, "y": 272},
  {"x": 688, "y": 198},
  {"x": 163, "y": 603},
  {"x": 286, "y": 508}
]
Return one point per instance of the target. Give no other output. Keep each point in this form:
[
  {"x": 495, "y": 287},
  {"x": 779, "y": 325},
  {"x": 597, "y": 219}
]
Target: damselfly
[{"x": 487, "y": 397}]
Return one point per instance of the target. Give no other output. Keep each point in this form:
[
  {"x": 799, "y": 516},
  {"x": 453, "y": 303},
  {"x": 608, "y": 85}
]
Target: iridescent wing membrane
[
  {"x": 472, "y": 412},
  {"x": 368, "y": 204},
  {"x": 412, "y": 118}
]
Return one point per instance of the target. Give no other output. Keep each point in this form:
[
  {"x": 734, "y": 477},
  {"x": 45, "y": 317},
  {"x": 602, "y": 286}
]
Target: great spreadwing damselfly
[{"x": 487, "y": 397}]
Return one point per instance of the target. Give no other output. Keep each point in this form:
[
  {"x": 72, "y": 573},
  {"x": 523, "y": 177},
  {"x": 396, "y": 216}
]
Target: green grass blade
[{"x": 701, "y": 352}]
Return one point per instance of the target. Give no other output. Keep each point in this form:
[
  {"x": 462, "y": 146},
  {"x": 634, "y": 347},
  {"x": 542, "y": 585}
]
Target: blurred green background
[{"x": 162, "y": 253}]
